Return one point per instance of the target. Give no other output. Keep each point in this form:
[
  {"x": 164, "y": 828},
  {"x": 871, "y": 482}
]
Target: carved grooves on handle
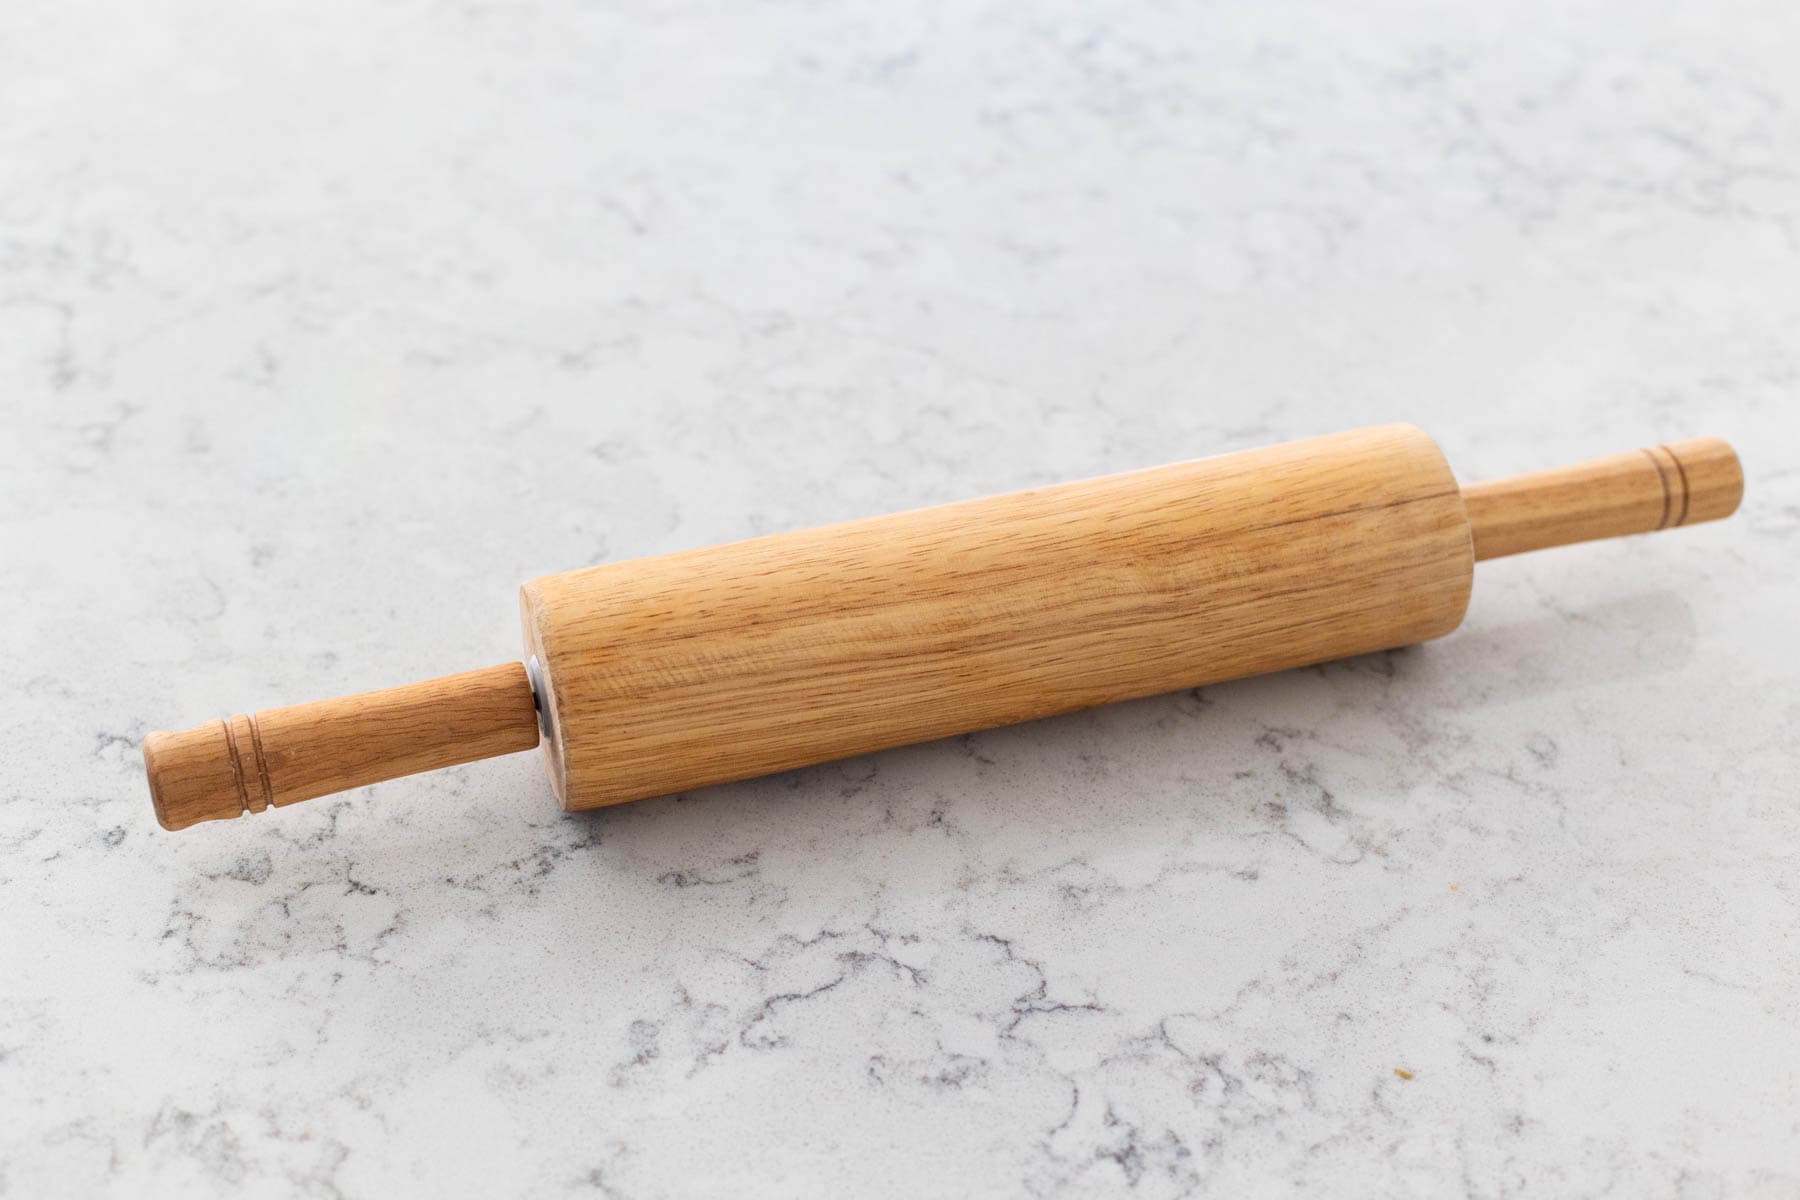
[
  {"x": 1666, "y": 461},
  {"x": 238, "y": 730}
]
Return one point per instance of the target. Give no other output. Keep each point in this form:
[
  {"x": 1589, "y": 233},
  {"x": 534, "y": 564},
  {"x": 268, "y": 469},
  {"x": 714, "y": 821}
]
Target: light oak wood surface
[
  {"x": 664, "y": 674},
  {"x": 675, "y": 672}
]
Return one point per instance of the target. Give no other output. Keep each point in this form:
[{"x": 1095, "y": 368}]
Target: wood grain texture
[
  {"x": 282, "y": 755},
  {"x": 670, "y": 673},
  {"x": 1639, "y": 491}
]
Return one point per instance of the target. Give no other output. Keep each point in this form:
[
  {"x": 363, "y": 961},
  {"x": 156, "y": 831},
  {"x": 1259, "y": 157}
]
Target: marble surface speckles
[{"x": 323, "y": 325}]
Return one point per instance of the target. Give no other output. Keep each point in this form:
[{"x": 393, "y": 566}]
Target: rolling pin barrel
[
  {"x": 664, "y": 674},
  {"x": 671, "y": 673}
]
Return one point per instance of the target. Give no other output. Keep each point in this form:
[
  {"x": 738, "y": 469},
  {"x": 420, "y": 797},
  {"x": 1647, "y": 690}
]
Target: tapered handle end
[
  {"x": 207, "y": 773},
  {"x": 1709, "y": 477},
  {"x": 284, "y": 755}
]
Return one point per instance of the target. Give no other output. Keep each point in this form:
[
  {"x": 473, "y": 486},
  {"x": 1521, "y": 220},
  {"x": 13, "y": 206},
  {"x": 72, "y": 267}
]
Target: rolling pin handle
[
  {"x": 1639, "y": 491},
  {"x": 249, "y": 763}
]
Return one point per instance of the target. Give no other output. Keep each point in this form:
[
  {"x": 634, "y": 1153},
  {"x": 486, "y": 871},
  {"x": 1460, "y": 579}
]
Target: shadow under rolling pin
[{"x": 659, "y": 675}]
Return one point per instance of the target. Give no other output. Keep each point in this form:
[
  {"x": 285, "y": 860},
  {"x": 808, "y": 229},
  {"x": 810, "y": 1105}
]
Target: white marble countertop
[{"x": 324, "y": 325}]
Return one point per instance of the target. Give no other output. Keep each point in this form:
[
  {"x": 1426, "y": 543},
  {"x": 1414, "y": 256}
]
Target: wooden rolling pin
[{"x": 663, "y": 674}]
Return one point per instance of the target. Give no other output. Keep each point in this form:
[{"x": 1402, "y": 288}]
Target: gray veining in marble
[{"x": 323, "y": 325}]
